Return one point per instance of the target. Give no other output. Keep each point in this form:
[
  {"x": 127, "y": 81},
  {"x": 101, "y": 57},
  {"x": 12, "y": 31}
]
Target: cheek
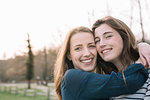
[
  {"x": 98, "y": 49},
  {"x": 120, "y": 44},
  {"x": 94, "y": 52},
  {"x": 119, "y": 40},
  {"x": 75, "y": 55}
]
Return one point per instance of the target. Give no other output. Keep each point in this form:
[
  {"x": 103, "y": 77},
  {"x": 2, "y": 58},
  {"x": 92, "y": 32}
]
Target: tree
[
  {"x": 30, "y": 64},
  {"x": 141, "y": 21},
  {"x": 45, "y": 71},
  {"x": 131, "y": 17}
]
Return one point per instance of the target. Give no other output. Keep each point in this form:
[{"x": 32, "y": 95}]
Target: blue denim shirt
[{"x": 82, "y": 85}]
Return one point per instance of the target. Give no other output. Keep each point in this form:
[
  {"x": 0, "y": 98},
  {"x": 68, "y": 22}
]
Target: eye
[
  {"x": 92, "y": 46},
  {"x": 77, "y": 49},
  {"x": 97, "y": 40},
  {"x": 108, "y": 36}
]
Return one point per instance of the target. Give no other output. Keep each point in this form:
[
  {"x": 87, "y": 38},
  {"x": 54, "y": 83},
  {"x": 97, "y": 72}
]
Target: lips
[
  {"x": 105, "y": 51},
  {"x": 86, "y": 60}
]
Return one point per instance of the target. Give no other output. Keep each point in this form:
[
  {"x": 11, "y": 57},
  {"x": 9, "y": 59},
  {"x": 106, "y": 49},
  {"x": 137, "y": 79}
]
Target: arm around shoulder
[{"x": 81, "y": 84}]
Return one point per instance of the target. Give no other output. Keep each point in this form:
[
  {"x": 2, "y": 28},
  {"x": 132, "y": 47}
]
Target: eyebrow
[
  {"x": 95, "y": 38},
  {"x": 107, "y": 32},
  {"x": 91, "y": 43},
  {"x": 81, "y": 44},
  {"x": 77, "y": 45},
  {"x": 104, "y": 34}
]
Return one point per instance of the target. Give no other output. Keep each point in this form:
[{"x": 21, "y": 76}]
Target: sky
[{"x": 44, "y": 20}]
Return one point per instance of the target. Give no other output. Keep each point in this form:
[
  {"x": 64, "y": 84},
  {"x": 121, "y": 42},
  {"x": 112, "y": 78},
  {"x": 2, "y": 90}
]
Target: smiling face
[
  {"x": 109, "y": 43},
  {"x": 83, "y": 51}
]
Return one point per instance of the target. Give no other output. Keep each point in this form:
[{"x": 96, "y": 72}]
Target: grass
[{"x": 8, "y": 96}]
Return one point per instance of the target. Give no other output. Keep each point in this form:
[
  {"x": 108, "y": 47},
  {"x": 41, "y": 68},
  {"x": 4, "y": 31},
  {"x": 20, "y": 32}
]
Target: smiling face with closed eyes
[
  {"x": 109, "y": 43},
  {"x": 83, "y": 52}
]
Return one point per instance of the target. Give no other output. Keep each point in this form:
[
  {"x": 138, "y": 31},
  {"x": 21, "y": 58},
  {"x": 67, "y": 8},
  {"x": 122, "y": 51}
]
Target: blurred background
[{"x": 43, "y": 24}]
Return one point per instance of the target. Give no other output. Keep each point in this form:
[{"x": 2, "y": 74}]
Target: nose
[
  {"x": 102, "y": 43},
  {"x": 86, "y": 52}
]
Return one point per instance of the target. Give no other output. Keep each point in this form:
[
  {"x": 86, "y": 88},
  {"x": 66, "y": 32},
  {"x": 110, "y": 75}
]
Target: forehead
[
  {"x": 103, "y": 29},
  {"x": 82, "y": 37}
]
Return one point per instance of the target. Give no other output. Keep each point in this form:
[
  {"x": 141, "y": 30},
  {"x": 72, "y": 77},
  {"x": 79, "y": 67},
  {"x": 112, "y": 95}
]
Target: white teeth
[
  {"x": 105, "y": 51},
  {"x": 86, "y": 61}
]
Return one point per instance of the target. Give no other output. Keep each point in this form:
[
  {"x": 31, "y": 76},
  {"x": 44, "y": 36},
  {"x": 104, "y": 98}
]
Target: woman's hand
[
  {"x": 139, "y": 61},
  {"x": 144, "y": 52}
]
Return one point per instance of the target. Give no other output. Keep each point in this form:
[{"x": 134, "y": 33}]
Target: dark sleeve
[{"x": 81, "y": 84}]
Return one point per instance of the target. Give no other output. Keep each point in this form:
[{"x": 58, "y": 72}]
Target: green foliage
[{"x": 30, "y": 63}]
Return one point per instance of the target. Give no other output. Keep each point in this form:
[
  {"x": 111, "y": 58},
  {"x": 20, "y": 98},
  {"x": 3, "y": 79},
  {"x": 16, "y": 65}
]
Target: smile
[
  {"x": 106, "y": 51},
  {"x": 87, "y": 60}
]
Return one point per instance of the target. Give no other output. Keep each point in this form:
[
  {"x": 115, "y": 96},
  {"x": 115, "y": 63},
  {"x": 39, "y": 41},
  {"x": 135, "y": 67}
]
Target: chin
[
  {"x": 107, "y": 59},
  {"x": 90, "y": 70}
]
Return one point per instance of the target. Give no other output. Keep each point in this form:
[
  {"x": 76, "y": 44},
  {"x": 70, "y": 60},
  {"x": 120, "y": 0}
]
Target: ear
[{"x": 69, "y": 56}]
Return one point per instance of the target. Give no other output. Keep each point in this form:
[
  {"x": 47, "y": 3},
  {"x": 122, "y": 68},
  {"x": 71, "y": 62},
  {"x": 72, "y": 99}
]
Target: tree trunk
[
  {"x": 141, "y": 21},
  {"x": 29, "y": 87}
]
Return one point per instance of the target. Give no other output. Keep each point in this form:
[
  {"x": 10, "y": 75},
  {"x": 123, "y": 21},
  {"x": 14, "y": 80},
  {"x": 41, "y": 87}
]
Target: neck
[{"x": 119, "y": 66}]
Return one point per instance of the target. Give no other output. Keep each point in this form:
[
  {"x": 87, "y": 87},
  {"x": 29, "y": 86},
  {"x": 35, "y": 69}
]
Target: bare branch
[{"x": 141, "y": 21}]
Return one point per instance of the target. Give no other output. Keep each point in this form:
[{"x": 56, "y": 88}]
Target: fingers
[
  {"x": 148, "y": 61},
  {"x": 144, "y": 52},
  {"x": 143, "y": 60}
]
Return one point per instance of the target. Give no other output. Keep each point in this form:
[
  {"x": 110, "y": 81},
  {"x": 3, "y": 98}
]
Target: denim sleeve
[{"x": 82, "y": 85}]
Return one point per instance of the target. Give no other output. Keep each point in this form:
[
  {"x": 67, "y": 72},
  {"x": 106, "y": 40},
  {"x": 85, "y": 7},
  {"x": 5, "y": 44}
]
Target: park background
[{"x": 45, "y": 24}]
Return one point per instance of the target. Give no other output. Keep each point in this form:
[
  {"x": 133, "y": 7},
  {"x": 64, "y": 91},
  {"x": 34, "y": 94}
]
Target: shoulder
[
  {"x": 138, "y": 67},
  {"x": 75, "y": 75},
  {"x": 73, "y": 80},
  {"x": 71, "y": 72}
]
